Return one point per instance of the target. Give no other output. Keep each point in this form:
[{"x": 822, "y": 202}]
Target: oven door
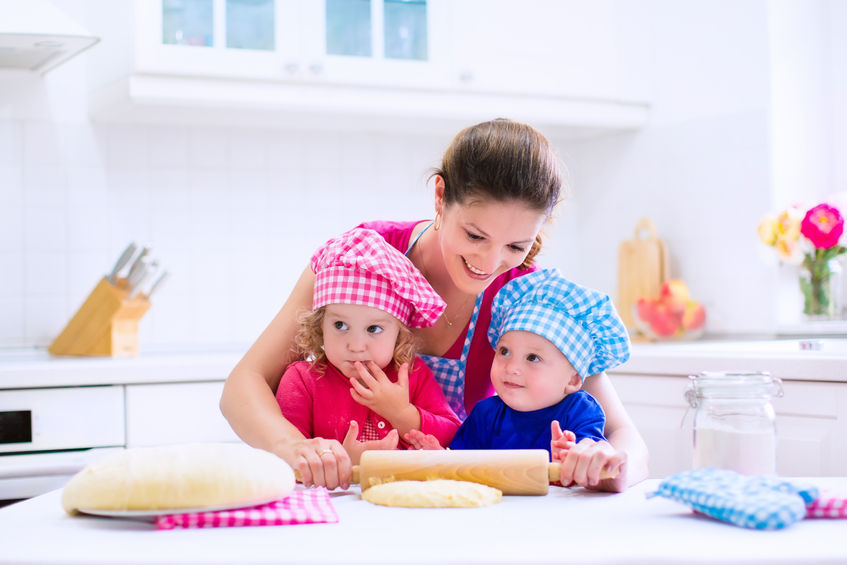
[
  {"x": 24, "y": 476},
  {"x": 48, "y": 434}
]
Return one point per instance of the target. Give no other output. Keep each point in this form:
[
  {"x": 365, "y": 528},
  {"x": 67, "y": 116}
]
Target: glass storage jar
[{"x": 734, "y": 420}]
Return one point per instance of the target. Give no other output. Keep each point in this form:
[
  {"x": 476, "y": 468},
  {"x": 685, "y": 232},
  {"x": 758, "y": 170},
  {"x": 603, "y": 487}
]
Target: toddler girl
[{"x": 360, "y": 379}]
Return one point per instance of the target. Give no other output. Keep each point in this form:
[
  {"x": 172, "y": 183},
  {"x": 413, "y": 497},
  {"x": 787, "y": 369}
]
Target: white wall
[
  {"x": 234, "y": 213},
  {"x": 721, "y": 150}
]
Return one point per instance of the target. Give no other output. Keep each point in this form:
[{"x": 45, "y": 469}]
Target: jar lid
[{"x": 733, "y": 384}]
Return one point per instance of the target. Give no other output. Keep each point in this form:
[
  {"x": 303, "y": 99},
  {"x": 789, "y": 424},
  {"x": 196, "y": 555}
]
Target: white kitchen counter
[
  {"x": 35, "y": 368},
  {"x": 822, "y": 359},
  {"x": 565, "y": 526}
]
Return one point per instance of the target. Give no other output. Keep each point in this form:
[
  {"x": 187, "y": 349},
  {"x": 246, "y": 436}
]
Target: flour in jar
[{"x": 749, "y": 453}]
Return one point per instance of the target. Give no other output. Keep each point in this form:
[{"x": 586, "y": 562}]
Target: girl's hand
[
  {"x": 323, "y": 462},
  {"x": 390, "y": 400},
  {"x": 419, "y": 440},
  {"x": 582, "y": 463},
  {"x": 355, "y": 448},
  {"x": 561, "y": 441}
]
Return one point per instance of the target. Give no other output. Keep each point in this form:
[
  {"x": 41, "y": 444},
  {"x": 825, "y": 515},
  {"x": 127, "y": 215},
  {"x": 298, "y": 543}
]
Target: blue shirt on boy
[{"x": 493, "y": 425}]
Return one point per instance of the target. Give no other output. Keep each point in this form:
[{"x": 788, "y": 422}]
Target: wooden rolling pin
[{"x": 513, "y": 471}]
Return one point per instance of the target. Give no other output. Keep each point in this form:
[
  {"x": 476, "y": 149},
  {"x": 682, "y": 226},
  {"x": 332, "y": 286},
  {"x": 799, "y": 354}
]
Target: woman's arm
[
  {"x": 248, "y": 401},
  {"x": 621, "y": 434}
]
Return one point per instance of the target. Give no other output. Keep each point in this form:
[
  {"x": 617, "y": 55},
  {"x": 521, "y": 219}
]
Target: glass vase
[{"x": 821, "y": 285}]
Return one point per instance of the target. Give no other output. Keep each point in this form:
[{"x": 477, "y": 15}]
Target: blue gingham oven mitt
[{"x": 757, "y": 502}]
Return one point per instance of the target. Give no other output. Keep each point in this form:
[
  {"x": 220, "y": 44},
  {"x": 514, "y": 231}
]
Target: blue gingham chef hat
[{"x": 582, "y": 323}]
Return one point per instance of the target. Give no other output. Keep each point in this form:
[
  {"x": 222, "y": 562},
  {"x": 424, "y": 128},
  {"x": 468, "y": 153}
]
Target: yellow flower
[
  {"x": 767, "y": 230},
  {"x": 786, "y": 248},
  {"x": 788, "y": 223}
]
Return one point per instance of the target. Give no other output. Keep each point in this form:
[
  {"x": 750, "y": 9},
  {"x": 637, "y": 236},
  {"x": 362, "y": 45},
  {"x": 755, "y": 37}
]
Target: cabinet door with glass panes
[{"x": 380, "y": 42}]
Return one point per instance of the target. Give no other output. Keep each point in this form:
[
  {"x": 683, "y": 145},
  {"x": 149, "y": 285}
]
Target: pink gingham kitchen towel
[
  {"x": 827, "y": 505},
  {"x": 309, "y": 506}
]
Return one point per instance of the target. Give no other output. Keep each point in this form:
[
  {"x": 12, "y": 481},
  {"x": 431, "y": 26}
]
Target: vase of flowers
[{"x": 811, "y": 240}]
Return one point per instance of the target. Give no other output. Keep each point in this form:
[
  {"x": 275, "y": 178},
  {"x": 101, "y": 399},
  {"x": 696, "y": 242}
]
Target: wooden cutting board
[{"x": 642, "y": 268}]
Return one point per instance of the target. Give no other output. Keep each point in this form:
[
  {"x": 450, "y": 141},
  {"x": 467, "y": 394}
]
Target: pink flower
[{"x": 823, "y": 226}]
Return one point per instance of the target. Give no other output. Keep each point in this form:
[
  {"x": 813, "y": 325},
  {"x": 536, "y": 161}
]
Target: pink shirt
[
  {"x": 480, "y": 354},
  {"x": 321, "y": 405}
]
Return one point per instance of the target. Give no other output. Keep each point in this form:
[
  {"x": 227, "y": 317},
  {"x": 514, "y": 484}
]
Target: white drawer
[
  {"x": 158, "y": 414},
  {"x": 43, "y": 419}
]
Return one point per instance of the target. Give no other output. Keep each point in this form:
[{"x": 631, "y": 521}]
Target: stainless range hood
[{"x": 37, "y": 36}]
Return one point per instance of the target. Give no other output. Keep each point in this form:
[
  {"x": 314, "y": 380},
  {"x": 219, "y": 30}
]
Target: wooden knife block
[{"x": 106, "y": 324}]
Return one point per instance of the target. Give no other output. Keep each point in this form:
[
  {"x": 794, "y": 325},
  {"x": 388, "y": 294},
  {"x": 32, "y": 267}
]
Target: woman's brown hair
[
  {"x": 503, "y": 160},
  {"x": 309, "y": 341}
]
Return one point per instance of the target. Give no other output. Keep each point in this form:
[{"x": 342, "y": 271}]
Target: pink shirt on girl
[{"x": 320, "y": 405}]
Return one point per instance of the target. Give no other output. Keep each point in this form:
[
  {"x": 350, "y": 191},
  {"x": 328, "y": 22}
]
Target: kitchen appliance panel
[{"x": 49, "y": 419}]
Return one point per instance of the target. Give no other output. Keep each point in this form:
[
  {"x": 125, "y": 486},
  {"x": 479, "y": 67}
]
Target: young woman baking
[{"x": 496, "y": 187}]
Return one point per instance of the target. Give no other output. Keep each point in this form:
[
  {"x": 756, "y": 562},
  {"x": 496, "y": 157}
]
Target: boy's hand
[
  {"x": 419, "y": 440},
  {"x": 561, "y": 441},
  {"x": 355, "y": 448},
  {"x": 373, "y": 389}
]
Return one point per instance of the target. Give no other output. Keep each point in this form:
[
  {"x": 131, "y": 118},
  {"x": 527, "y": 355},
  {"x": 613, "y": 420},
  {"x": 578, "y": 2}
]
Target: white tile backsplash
[
  {"x": 11, "y": 228},
  {"x": 12, "y": 321},
  {"x": 41, "y": 144},
  {"x": 234, "y": 214},
  {"x": 11, "y": 144},
  {"x": 45, "y": 230},
  {"x": 168, "y": 147},
  {"x": 45, "y": 186}
]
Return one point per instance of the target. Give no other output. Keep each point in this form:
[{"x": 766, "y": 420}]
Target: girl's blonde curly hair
[{"x": 308, "y": 343}]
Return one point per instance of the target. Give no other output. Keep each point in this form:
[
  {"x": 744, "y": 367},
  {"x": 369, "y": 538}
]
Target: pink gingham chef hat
[{"x": 360, "y": 267}]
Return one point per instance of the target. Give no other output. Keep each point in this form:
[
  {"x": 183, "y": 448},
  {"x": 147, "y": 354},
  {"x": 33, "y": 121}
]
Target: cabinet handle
[
  {"x": 466, "y": 76},
  {"x": 316, "y": 68},
  {"x": 291, "y": 67}
]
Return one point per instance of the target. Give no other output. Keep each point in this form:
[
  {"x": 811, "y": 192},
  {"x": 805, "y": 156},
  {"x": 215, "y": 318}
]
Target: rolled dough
[{"x": 177, "y": 477}]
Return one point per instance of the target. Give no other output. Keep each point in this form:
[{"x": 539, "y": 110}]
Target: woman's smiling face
[{"x": 482, "y": 238}]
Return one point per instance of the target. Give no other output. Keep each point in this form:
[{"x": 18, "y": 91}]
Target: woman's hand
[
  {"x": 373, "y": 389},
  {"x": 582, "y": 463},
  {"x": 419, "y": 440},
  {"x": 323, "y": 462},
  {"x": 355, "y": 448}
]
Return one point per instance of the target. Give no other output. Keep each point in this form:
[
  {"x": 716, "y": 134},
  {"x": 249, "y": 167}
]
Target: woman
[{"x": 497, "y": 186}]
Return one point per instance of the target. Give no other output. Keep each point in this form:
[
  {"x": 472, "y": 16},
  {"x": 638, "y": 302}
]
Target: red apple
[
  {"x": 694, "y": 317},
  {"x": 664, "y": 323},
  {"x": 674, "y": 293},
  {"x": 644, "y": 308}
]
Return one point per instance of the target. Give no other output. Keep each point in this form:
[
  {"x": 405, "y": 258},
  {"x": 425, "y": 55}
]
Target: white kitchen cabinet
[
  {"x": 294, "y": 41},
  {"x": 563, "y": 48},
  {"x": 554, "y": 65},
  {"x": 159, "y": 414},
  {"x": 658, "y": 407},
  {"x": 811, "y": 424}
]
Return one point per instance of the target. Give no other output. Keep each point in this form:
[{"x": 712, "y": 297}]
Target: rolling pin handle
[{"x": 554, "y": 471}]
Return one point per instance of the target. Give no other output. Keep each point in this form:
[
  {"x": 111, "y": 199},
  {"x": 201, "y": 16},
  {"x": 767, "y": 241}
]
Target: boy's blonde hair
[{"x": 309, "y": 341}]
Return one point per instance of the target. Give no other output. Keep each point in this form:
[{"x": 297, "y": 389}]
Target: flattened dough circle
[{"x": 439, "y": 493}]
